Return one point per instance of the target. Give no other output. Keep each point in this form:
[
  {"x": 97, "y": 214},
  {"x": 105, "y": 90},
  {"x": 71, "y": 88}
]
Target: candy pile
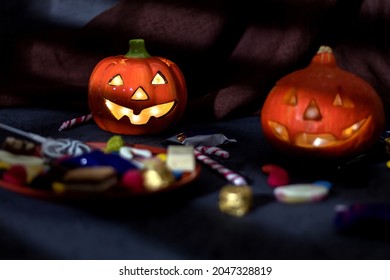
[
  {"x": 115, "y": 166},
  {"x": 284, "y": 191}
]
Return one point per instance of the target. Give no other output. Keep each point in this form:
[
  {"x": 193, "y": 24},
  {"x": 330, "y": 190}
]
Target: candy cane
[
  {"x": 211, "y": 150},
  {"x": 229, "y": 175},
  {"x": 74, "y": 121}
]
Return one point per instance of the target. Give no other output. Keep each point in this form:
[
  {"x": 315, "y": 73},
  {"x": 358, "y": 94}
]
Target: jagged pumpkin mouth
[
  {"x": 313, "y": 140},
  {"x": 144, "y": 116}
]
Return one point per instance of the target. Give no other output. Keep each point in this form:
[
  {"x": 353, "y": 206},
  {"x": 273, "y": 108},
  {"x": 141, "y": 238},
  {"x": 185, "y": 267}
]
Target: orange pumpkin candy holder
[
  {"x": 322, "y": 111},
  {"x": 136, "y": 93}
]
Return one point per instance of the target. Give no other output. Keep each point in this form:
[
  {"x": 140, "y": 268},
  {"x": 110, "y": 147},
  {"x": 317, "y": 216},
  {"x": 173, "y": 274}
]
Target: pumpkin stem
[
  {"x": 325, "y": 56},
  {"x": 137, "y": 49}
]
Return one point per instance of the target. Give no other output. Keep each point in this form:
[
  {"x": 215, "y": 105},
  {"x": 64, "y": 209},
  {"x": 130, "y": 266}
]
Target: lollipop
[{"x": 52, "y": 148}]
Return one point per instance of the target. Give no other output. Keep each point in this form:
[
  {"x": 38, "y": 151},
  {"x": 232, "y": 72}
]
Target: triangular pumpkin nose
[
  {"x": 139, "y": 94},
  {"x": 312, "y": 112}
]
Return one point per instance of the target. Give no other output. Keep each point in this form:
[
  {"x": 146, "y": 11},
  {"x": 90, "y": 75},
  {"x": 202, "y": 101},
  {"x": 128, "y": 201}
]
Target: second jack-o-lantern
[
  {"x": 136, "y": 93},
  {"x": 322, "y": 111}
]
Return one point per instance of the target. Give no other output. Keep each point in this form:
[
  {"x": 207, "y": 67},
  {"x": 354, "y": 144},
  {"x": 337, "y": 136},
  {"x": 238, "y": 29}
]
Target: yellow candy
[
  {"x": 156, "y": 175},
  {"x": 162, "y": 157},
  {"x": 34, "y": 165},
  {"x": 114, "y": 144},
  {"x": 235, "y": 200},
  {"x": 388, "y": 164}
]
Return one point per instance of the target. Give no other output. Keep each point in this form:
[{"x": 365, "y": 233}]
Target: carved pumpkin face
[
  {"x": 323, "y": 111},
  {"x": 136, "y": 93}
]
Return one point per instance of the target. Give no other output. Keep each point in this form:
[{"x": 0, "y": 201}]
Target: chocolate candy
[
  {"x": 18, "y": 146},
  {"x": 90, "y": 179},
  {"x": 235, "y": 200}
]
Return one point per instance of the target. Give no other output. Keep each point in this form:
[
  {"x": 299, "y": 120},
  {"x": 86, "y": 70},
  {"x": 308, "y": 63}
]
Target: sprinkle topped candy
[{"x": 52, "y": 148}]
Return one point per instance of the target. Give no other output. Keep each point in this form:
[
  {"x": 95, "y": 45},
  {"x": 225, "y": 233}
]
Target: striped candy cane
[
  {"x": 74, "y": 121},
  {"x": 229, "y": 175},
  {"x": 211, "y": 150}
]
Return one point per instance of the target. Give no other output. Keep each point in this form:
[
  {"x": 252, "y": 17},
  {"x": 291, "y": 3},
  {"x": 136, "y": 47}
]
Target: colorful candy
[
  {"x": 277, "y": 176},
  {"x": 114, "y": 144},
  {"x": 32, "y": 164},
  {"x": 87, "y": 179},
  {"x": 52, "y": 148},
  {"x": 299, "y": 193}
]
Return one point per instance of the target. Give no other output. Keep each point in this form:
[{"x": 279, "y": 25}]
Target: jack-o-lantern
[
  {"x": 322, "y": 111},
  {"x": 136, "y": 93}
]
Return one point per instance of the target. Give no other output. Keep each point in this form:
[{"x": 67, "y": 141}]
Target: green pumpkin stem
[{"x": 137, "y": 49}]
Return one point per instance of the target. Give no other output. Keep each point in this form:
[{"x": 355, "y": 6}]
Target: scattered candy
[
  {"x": 374, "y": 217},
  {"x": 299, "y": 193},
  {"x": 114, "y": 144},
  {"x": 19, "y": 146},
  {"x": 216, "y": 151},
  {"x": 156, "y": 175},
  {"x": 229, "y": 175},
  {"x": 277, "y": 176},
  {"x": 57, "y": 148},
  {"x": 33, "y": 164},
  {"x": 75, "y": 121},
  {"x": 162, "y": 156},
  {"x": 16, "y": 174},
  {"x": 99, "y": 158},
  {"x": 133, "y": 180},
  {"x": 130, "y": 152},
  {"x": 180, "y": 158},
  {"x": 90, "y": 179},
  {"x": 50, "y": 147},
  {"x": 323, "y": 183},
  {"x": 235, "y": 200},
  {"x": 74, "y": 167}
]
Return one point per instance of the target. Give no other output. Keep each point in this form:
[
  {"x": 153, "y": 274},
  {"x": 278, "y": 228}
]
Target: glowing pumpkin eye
[
  {"x": 116, "y": 81},
  {"x": 291, "y": 97},
  {"x": 159, "y": 79},
  {"x": 342, "y": 102}
]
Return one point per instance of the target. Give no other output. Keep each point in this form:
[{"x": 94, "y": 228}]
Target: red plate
[{"x": 185, "y": 179}]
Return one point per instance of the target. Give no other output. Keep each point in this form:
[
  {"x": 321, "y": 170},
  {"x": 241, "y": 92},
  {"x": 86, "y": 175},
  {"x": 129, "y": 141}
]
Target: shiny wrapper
[
  {"x": 156, "y": 175},
  {"x": 200, "y": 138},
  {"x": 235, "y": 200}
]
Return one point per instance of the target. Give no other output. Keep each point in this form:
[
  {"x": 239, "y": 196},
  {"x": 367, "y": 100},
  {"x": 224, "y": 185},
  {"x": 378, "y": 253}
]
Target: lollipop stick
[
  {"x": 28, "y": 135},
  {"x": 52, "y": 148}
]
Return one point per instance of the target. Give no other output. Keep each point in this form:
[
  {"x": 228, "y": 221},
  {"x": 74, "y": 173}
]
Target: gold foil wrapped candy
[
  {"x": 235, "y": 200},
  {"x": 156, "y": 175}
]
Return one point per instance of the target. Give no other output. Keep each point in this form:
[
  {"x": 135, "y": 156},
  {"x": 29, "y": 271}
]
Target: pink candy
[
  {"x": 277, "y": 176},
  {"x": 133, "y": 180},
  {"x": 16, "y": 174}
]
